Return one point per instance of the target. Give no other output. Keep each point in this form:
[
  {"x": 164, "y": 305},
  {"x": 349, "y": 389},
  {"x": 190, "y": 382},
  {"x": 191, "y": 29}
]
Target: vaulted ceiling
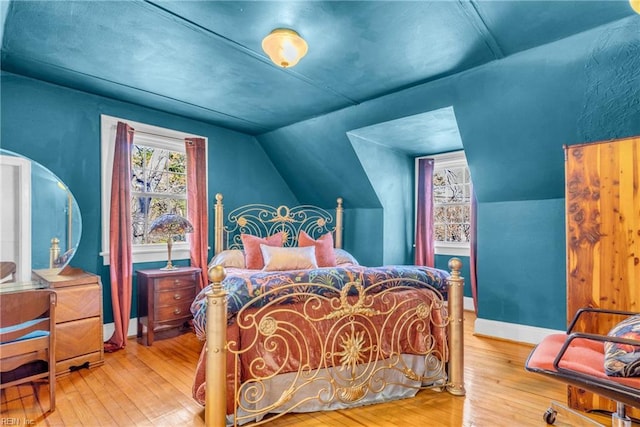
[{"x": 203, "y": 59}]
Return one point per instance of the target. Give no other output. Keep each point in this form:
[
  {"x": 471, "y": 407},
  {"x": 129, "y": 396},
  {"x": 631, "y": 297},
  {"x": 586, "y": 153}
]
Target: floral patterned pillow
[{"x": 623, "y": 360}]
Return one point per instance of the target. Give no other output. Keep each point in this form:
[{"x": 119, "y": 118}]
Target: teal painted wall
[
  {"x": 514, "y": 115},
  {"x": 522, "y": 263},
  {"x": 60, "y": 129},
  {"x": 391, "y": 174},
  {"x": 442, "y": 262},
  {"x": 362, "y": 231}
]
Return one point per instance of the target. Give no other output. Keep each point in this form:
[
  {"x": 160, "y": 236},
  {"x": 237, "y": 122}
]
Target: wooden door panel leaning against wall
[{"x": 603, "y": 236}]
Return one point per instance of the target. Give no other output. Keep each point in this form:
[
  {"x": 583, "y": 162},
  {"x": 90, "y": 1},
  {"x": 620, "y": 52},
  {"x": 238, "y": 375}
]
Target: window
[
  {"x": 158, "y": 186},
  {"x": 451, "y": 204}
]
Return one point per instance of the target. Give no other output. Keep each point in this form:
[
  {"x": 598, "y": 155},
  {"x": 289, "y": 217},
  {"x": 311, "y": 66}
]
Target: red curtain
[
  {"x": 120, "y": 238},
  {"x": 473, "y": 248},
  {"x": 425, "y": 253},
  {"x": 197, "y": 205}
]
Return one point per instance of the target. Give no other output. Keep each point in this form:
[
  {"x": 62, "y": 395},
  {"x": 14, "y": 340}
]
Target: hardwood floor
[{"x": 144, "y": 386}]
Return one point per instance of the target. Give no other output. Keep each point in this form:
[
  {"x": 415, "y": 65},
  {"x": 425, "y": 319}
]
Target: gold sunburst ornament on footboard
[{"x": 329, "y": 347}]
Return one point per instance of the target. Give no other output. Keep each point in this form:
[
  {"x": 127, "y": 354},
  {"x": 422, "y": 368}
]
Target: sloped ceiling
[{"x": 203, "y": 60}]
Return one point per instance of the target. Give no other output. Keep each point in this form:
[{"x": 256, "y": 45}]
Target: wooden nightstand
[{"x": 164, "y": 300}]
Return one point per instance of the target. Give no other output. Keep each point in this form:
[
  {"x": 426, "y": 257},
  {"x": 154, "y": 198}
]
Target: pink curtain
[
  {"x": 120, "y": 237},
  {"x": 473, "y": 247},
  {"x": 425, "y": 253},
  {"x": 197, "y": 205}
]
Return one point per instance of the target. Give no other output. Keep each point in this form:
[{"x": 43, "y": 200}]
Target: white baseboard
[
  {"x": 109, "y": 328},
  {"x": 467, "y": 304},
  {"x": 490, "y": 328},
  {"x": 512, "y": 331}
]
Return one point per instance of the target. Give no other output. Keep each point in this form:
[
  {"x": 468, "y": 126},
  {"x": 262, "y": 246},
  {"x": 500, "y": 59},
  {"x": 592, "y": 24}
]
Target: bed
[{"x": 306, "y": 328}]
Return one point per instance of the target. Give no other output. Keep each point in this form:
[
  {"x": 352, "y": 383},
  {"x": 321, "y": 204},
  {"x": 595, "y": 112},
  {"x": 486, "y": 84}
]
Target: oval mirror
[{"x": 40, "y": 221}]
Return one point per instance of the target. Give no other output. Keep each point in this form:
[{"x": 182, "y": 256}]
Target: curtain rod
[{"x": 160, "y": 136}]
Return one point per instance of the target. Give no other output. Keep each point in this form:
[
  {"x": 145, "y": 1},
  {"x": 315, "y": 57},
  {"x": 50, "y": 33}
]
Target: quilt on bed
[{"x": 243, "y": 285}]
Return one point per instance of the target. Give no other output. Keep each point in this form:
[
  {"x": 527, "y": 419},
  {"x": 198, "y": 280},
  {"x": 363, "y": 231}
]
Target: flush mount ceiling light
[
  {"x": 285, "y": 47},
  {"x": 635, "y": 5}
]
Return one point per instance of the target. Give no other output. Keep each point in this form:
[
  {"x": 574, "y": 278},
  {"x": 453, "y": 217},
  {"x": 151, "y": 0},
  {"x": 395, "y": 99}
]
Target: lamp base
[{"x": 169, "y": 267}]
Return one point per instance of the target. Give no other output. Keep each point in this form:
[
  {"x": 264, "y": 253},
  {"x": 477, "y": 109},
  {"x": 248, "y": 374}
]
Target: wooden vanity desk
[{"x": 79, "y": 337}]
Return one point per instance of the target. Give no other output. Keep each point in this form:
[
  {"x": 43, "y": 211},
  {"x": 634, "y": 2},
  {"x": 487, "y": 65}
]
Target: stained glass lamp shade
[{"x": 170, "y": 225}]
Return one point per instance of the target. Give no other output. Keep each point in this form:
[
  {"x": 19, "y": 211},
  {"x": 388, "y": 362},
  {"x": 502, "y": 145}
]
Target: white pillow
[
  {"x": 344, "y": 257},
  {"x": 284, "y": 258},
  {"x": 229, "y": 258}
]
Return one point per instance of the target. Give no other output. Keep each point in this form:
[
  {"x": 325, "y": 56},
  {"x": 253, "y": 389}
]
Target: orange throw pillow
[
  {"x": 324, "y": 248},
  {"x": 252, "y": 254}
]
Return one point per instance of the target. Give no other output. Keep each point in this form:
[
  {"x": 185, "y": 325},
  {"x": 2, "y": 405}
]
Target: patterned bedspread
[{"x": 244, "y": 285}]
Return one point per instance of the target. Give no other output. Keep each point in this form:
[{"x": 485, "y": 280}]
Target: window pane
[
  {"x": 466, "y": 214},
  {"x": 161, "y": 173},
  {"x": 146, "y": 209},
  {"x": 452, "y": 209},
  {"x": 454, "y": 214},
  {"x": 177, "y": 183},
  {"x": 439, "y": 195},
  {"x": 440, "y": 232},
  {"x": 457, "y": 233}
]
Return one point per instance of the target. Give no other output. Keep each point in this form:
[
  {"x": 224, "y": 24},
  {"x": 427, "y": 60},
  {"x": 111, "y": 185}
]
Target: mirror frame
[{"x": 41, "y": 204}]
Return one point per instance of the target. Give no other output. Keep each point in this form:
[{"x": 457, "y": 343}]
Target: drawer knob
[
  {"x": 177, "y": 297},
  {"x": 176, "y": 282},
  {"x": 177, "y": 311}
]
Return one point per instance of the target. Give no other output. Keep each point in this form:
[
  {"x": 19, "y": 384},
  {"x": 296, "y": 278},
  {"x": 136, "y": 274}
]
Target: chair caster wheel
[{"x": 550, "y": 416}]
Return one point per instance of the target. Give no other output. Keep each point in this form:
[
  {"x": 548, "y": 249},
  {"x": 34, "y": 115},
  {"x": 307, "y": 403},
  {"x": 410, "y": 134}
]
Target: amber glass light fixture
[
  {"x": 285, "y": 47},
  {"x": 635, "y": 5}
]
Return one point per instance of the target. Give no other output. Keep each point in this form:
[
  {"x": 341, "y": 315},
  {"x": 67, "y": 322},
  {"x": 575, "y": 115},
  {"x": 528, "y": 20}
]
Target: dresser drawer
[
  {"x": 77, "y": 338},
  {"x": 173, "y": 312},
  {"x": 174, "y": 282},
  {"x": 175, "y": 296},
  {"x": 78, "y": 302},
  {"x": 89, "y": 360}
]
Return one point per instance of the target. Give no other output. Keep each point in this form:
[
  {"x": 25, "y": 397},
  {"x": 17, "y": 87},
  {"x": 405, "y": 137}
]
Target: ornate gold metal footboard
[{"x": 336, "y": 347}]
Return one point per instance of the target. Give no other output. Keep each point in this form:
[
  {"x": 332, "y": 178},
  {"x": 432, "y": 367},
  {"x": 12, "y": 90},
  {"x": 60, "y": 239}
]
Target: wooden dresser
[
  {"x": 79, "y": 337},
  {"x": 164, "y": 300},
  {"x": 603, "y": 238}
]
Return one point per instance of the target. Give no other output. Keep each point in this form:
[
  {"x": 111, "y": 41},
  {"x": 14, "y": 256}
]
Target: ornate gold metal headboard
[{"x": 264, "y": 220}]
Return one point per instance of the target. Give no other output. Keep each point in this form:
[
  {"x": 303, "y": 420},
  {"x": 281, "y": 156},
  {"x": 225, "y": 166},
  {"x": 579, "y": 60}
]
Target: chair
[
  {"x": 7, "y": 269},
  {"x": 577, "y": 358},
  {"x": 27, "y": 335}
]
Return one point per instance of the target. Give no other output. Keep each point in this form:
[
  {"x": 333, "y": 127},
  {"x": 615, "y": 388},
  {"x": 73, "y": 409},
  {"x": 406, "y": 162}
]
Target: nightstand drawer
[
  {"x": 173, "y": 312},
  {"x": 168, "y": 283},
  {"x": 176, "y": 296}
]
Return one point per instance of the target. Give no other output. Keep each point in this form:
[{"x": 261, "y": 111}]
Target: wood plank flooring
[{"x": 145, "y": 386}]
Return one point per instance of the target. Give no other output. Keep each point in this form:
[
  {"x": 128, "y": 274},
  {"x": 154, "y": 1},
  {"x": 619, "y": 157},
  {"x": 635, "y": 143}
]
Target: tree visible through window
[
  {"x": 452, "y": 204},
  {"x": 158, "y": 186}
]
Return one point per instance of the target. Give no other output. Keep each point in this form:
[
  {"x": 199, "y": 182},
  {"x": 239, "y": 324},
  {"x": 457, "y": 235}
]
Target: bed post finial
[
  {"x": 218, "y": 227},
  {"x": 217, "y": 274},
  {"x": 339, "y": 212},
  {"x": 455, "y": 288},
  {"x": 216, "y": 402}
]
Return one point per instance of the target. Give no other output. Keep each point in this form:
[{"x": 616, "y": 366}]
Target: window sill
[
  {"x": 455, "y": 250},
  {"x": 154, "y": 253}
]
